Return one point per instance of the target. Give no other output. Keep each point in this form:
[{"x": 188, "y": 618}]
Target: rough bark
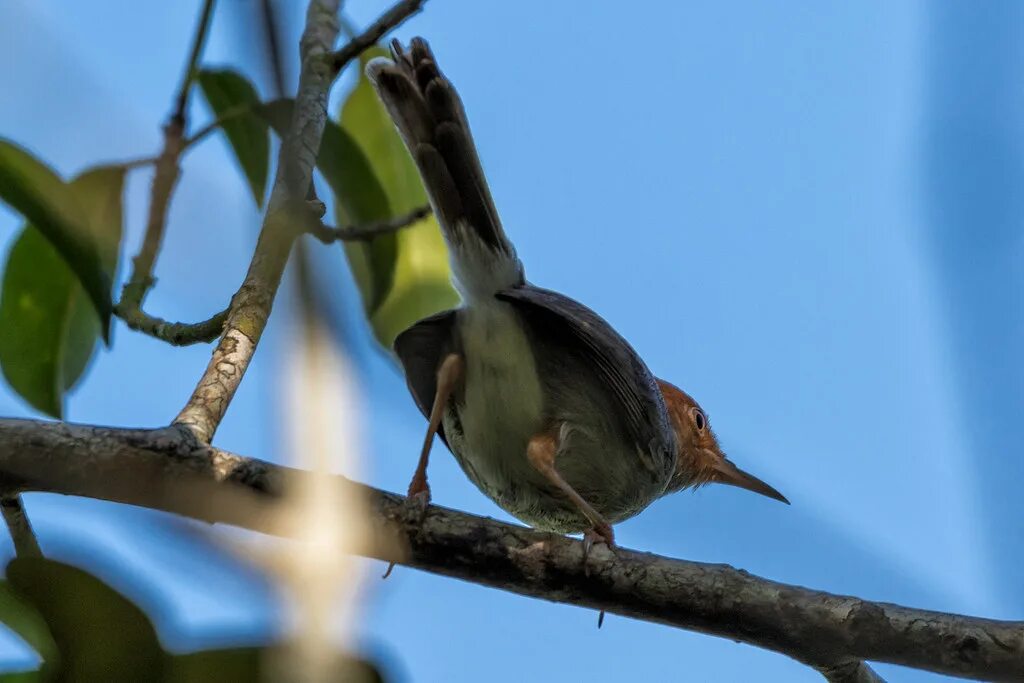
[{"x": 170, "y": 469}]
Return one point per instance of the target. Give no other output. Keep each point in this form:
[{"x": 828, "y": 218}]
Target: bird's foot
[
  {"x": 414, "y": 510},
  {"x": 417, "y": 500},
  {"x": 600, "y": 533}
]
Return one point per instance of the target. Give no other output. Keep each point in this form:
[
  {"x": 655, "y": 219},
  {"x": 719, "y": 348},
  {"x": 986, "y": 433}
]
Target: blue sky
[{"x": 807, "y": 215}]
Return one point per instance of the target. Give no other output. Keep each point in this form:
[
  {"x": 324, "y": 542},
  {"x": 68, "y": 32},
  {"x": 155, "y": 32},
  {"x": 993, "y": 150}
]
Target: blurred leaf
[
  {"x": 37, "y": 193},
  {"x": 257, "y": 663},
  {"x": 404, "y": 276},
  {"x": 22, "y": 618},
  {"x": 23, "y": 677},
  {"x": 225, "y": 91},
  {"x": 234, "y": 664},
  {"x": 99, "y": 194},
  {"x": 100, "y": 635},
  {"x": 48, "y": 328}
]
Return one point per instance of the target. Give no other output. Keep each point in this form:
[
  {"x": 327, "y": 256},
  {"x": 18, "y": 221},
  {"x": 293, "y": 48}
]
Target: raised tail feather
[{"x": 429, "y": 115}]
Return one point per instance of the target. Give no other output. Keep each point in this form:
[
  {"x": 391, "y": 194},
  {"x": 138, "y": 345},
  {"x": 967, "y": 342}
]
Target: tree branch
[
  {"x": 19, "y": 526},
  {"x": 198, "y": 41},
  {"x": 250, "y": 307},
  {"x": 230, "y": 114},
  {"x": 170, "y": 469},
  {"x": 354, "y": 233},
  {"x": 191, "y": 140},
  {"x": 377, "y": 30},
  {"x": 165, "y": 178},
  {"x": 176, "y": 334},
  {"x": 254, "y": 299}
]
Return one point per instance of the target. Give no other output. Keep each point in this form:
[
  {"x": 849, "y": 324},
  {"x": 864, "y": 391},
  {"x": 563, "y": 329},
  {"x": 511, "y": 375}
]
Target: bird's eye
[{"x": 699, "y": 419}]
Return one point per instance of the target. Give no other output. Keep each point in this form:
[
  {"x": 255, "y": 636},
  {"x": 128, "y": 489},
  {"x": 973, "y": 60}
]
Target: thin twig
[
  {"x": 165, "y": 178},
  {"x": 271, "y": 27},
  {"x": 139, "y": 162},
  {"x": 169, "y": 469},
  {"x": 175, "y": 334},
  {"x": 366, "y": 231},
  {"x": 198, "y": 41},
  {"x": 192, "y": 140},
  {"x": 250, "y": 306},
  {"x": 229, "y": 114},
  {"x": 25, "y": 542},
  {"x": 377, "y": 30}
]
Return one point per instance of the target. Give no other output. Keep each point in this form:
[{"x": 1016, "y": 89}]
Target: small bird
[{"x": 546, "y": 408}]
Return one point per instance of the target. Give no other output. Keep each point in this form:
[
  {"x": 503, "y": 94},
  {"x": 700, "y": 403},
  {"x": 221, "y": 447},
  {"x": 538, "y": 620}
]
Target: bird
[{"x": 547, "y": 409}]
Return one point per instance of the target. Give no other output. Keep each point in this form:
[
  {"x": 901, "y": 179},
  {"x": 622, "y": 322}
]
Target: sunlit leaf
[
  {"x": 101, "y": 636},
  {"x": 403, "y": 277},
  {"x": 228, "y": 92},
  {"x": 37, "y": 193},
  {"x": 48, "y": 329},
  {"x": 21, "y": 617}
]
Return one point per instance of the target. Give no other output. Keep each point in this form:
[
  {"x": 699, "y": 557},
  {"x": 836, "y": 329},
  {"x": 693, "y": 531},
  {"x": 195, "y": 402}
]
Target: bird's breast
[{"x": 502, "y": 401}]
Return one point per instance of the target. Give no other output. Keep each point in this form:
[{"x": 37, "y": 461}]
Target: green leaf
[
  {"x": 227, "y": 92},
  {"x": 48, "y": 328},
  {"x": 100, "y": 635},
  {"x": 37, "y": 193},
  {"x": 403, "y": 277},
  {"x": 21, "y": 617}
]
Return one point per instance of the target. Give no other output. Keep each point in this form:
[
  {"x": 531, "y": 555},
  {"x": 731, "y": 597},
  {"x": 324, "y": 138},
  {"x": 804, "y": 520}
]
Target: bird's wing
[
  {"x": 421, "y": 349},
  {"x": 579, "y": 331}
]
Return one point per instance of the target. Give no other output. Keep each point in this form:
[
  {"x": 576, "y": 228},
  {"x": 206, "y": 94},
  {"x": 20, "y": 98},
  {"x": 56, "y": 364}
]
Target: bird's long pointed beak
[{"x": 728, "y": 473}]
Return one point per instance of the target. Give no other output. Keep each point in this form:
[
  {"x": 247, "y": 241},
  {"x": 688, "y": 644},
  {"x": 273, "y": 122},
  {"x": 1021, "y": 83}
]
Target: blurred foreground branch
[
  {"x": 18, "y": 524},
  {"x": 170, "y": 469}
]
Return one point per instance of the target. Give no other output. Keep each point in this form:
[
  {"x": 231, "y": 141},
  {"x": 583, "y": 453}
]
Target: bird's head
[{"x": 700, "y": 459}]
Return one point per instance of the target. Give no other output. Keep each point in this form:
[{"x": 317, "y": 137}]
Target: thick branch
[
  {"x": 250, "y": 307},
  {"x": 169, "y": 469}
]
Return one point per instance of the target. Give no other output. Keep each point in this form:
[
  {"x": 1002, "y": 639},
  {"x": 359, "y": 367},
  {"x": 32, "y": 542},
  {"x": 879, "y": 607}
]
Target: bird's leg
[
  {"x": 418, "y": 496},
  {"x": 448, "y": 376},
  {"x": 541, "y": 452}
]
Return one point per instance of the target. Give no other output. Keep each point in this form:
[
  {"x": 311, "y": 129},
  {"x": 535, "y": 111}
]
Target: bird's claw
[
  {"x": 416, "y": 504},
  {"x": 414, "y": 510},
  {"x": 600, "y": 533}
]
